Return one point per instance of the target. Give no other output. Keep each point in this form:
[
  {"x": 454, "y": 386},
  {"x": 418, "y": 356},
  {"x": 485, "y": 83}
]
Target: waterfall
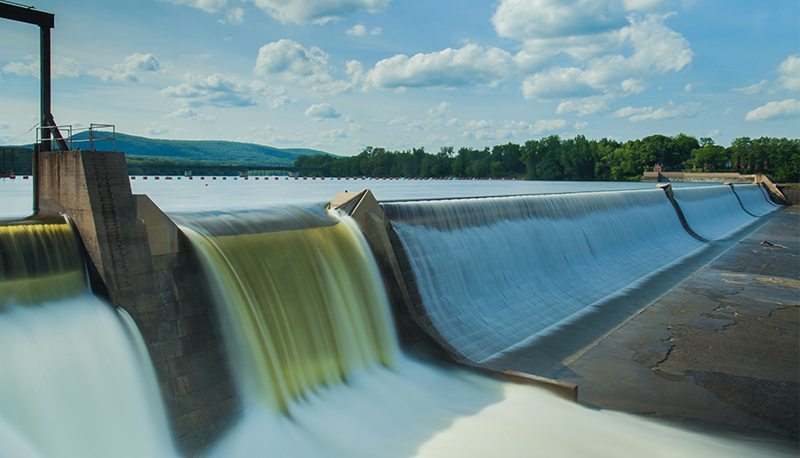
[
  {"x": 495, "y": 273},
  {"x": 72, "y": 384},
  {"x": 304, "y": 304},
  {"x": 39, "y": 262},
  {"x": 713, "y": 212},
  {"x": 754, "y": 199}
]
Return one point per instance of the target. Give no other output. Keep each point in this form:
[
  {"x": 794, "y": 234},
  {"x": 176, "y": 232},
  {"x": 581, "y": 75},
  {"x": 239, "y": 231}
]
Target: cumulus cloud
[
  {"x": 209, "y": 6},
  {"x": 790, "y": 73},
  {"x": 439, "y": 110},
  {"x": 234, "y": 16},
  {"x": 775, "y": 110},
  {"x": 132, "y": 68},
  {"x": 357, "y": 31},
  {"x": 188, "y": 113},
  {"x": 548, "y": 125},
  {"x": 322, "y": 112},
  {"x": 450, "y": 68},
  {"x": 216, "y": 90},
  {"x": 317, "y": 11},
  {"x": 62, "y": 67},
  {"x": 31, "y": 68},
  {"x": 281, "y": 102},
  {"x": 757, "y": 88},
  {"x": 657, "y": 50},
  {"x": 585, "y": 106},
  {"x": 333, "y": 134},
  {"x": 686, "y": 110},
  {"x": 156, "y": 129},
  {"x": 536, "y": 19},
  {"x": 290, "y": 61}
]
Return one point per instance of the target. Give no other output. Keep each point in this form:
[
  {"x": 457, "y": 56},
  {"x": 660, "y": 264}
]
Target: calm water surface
[{"x": 209, "y": 194}]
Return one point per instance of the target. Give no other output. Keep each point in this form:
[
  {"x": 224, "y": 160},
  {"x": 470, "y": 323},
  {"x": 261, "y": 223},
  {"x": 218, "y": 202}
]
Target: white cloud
[
  {"x": 686, "y": 110},
  {"x": 4, "y": 126},
  {"x": 322, "y": 112},
  {"x": 23, "y": 69},
  {"x": 156, "y": 129},
  {"x": 790, "y": 73},
  {"x": 633, "y": 86},
  {"x": 439, "y": 110},
  {"x": 234, "y": 16},
  {"x": 216, "y": 90},
  {"x": 580, "y": 125},
  {"x": 657, "y": 50},
  {"x": 585, "y": 106},
  {"x": 290, "y": 61},
  {"x": 281, "y": 102},
  {"x": 536, "y": 19},
  {"x": 357, "y": 31},
  {"x": 548, "y": 125},
  {"x": 188, "y": 113},
  {"x": 132, "y": 68},
  {"x": 644, "y": 6},
  {"x": 757, "y": 88},
  {"x": 450, "y": 68},
  {"x": 333, "y": 134},
  {"x": 65, "y": 67},
  {"x": 209, "y": 6},
  {"x": 317, "y": 11},
  {"x": 376, "y": 31},
  {"x": 775, "y": 110}
]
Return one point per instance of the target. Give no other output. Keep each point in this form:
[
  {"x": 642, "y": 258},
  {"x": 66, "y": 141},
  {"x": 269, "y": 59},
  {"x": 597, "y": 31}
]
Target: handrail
[{"x": 97, "y": 132}]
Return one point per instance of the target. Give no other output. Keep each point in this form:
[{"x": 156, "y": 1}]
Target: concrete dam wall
[{"x": 467, "y": 280}]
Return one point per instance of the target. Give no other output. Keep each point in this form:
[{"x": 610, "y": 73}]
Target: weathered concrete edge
[
  {"x": 365, "y": 210},
  {"x": 158, "y": 284}
]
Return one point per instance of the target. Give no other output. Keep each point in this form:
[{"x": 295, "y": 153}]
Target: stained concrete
[{"x": 720, "y": 352}]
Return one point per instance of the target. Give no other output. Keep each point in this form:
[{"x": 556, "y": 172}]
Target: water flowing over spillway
[
  {"x": 350, "y": 401},
  {"x": 716, "y": 212},
  {"x": 72, "y": 382},
  {"x": 39, "y": 262},
  {"x": 298, "y": 317},
  {"x": 497, "y": 272}
]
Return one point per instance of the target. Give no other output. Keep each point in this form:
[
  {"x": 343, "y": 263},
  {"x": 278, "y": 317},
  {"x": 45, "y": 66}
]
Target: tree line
[{"x": 573, "y": 159}]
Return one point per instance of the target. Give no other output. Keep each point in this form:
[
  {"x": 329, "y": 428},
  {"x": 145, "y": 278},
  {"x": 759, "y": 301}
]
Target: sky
[{"x": 340, "y": 75}]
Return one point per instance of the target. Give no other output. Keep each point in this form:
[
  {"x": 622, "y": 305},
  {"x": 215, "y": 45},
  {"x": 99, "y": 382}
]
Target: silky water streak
[
  {"x": 495, "y": 273},
  {"x": 72, "y": 383},
  {"x": 321, "y": 354},
  {"x": 301, "y": 299}
]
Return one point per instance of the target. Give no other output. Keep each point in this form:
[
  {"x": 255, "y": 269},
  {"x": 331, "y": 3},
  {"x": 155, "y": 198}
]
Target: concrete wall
[
  {"x": 681, "y": 177},
  {"x": 158, "y": 283}
]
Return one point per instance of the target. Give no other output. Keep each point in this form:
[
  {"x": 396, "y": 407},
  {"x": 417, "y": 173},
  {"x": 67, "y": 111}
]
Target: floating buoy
[{"x": 206, "y": 184}]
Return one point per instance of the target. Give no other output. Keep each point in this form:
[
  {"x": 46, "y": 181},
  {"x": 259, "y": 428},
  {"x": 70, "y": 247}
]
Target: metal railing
[{"x": 97, "y": 133}]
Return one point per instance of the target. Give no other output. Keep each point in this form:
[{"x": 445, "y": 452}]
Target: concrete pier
[{"x": 139, "y": 261}]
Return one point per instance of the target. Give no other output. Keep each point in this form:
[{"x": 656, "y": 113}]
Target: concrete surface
[{"x": 720, "y": 352}]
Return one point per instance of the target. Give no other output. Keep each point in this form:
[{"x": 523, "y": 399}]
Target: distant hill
[{"x": 206, "y": 151}]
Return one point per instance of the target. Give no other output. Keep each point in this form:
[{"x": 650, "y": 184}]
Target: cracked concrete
[{"x": 720, "y": 352}]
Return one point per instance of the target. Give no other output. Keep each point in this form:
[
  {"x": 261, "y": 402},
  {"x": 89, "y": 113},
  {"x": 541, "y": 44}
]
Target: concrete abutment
[{"x": 147, "y": 267}]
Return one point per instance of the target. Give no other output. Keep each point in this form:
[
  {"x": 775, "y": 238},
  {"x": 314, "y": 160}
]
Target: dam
[{"x": 370, "y": 327}]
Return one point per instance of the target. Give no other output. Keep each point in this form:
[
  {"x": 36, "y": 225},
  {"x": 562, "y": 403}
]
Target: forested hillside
[{"x": 578, "y": 159}]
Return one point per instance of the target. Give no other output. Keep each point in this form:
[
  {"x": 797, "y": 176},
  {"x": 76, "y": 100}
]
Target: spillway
[
  {"x": 296, "y": 316},
  {"x": 496, "y": 273},
  {"x": 73, "y": 381},
  {"x": 307, "y": 324},
  {"x": 290, "y": 284}
]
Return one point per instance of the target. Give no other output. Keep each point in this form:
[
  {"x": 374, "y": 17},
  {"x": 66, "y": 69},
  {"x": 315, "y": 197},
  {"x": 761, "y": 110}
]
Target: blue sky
[{"x": 338, "y": 75}]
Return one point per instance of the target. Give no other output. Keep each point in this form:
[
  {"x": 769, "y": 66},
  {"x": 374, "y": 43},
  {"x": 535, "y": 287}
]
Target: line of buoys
[{"x": 266, "y": 178}]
